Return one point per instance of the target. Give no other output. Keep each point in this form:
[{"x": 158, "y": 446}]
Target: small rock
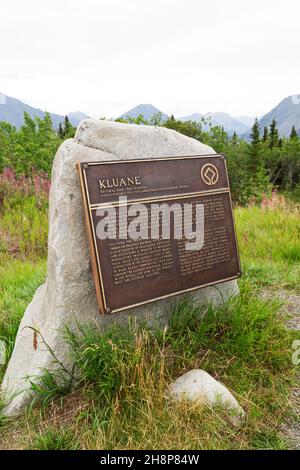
[{"x": 198, "y": 386}]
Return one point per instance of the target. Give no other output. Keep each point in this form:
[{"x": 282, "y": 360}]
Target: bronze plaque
[{"x": 130, "y": 272}]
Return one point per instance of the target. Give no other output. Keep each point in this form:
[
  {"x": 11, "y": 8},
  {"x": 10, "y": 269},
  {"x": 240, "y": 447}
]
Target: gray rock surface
[
  {"x": 68, "y": 295},
  {"x": 198, "y": 386}
]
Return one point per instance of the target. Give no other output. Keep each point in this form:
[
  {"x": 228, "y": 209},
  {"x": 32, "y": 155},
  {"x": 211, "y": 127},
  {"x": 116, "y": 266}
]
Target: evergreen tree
[
  {"x": 234, "y": 139},
  {"x": 257, "y": 182},
  {"x": 67, "y": 126},
  {"x": 68, "y": 129},
  {"x": 266, "y": 134},
  {"x": 255, "y": 133},
  {"x": 255, "y": 151},
  {"x": 294, "y": 134},
  {"x": 274, "y": 135},
  {"x": 290, "y": 158},
  {"x": 60, "y": 131}
]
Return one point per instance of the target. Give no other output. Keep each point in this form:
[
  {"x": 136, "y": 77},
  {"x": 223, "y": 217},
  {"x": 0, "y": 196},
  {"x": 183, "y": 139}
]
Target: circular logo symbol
[{"x": 210, "y": 174}]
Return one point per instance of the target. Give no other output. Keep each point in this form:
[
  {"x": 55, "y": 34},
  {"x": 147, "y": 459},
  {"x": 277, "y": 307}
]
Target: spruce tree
[
  {"x": 234, "y": 139},
  {"x": 67, "y": 126},
  {"x": 60, "y": 131},
  {"x": 68, "y": 129},
  {"x": 255, "y": 151},
  {"x": 266, "y": 134},
  {"x": 294, "y": 134},
  {"x": 257, "y": 178},
  {"x": 274, "y": 135},
  {"x": 255, "y": 133}
]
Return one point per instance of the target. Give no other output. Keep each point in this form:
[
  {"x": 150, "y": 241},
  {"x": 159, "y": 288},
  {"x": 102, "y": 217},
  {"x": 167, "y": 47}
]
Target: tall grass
[
  {"x": 55, "y": 439},
  {"x": 125, "y": 374},
  {"x": 269, "y": 241},
  {"x": 23, "y": 215},
  {"x": 18, "y": 282}
]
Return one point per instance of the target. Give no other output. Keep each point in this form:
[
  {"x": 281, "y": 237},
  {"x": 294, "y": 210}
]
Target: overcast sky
[{"x": 105, "y": 56}]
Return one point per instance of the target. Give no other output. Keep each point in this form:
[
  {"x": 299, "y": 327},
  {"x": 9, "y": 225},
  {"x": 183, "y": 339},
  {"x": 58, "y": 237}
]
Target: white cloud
[{"x": 105, "y": 56}]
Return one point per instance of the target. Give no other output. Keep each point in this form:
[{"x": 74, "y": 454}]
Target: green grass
[
  {"x": 18, "y": 282},
  {"x": 55, "y": 439},
  {"x": 268, "y": 440},
  {"x": 269, "y": 246}
]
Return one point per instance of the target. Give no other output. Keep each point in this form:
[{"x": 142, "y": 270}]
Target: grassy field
[{"x": 121, "y": 400}]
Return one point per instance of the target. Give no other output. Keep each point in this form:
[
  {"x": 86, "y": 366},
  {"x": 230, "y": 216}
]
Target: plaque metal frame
[{"x": 82, "y": 167}]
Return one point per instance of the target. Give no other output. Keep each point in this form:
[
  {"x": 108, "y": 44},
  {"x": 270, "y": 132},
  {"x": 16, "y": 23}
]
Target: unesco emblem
[{"x": 210, "y": 174}]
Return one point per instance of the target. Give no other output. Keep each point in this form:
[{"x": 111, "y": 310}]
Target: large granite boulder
[{"x": 68, "y": 295}]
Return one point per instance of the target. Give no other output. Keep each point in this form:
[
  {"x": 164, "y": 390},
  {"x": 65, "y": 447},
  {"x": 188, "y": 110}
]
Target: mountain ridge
[
  {"x": 12, "y": 111},
  {"x": 229, "y": 123},
  {"x": 286, "y": 114},
  {"x": 147, "y": 110}
]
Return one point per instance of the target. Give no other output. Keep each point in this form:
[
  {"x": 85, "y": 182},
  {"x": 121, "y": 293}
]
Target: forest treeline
[{"x": 256, "y": 165}]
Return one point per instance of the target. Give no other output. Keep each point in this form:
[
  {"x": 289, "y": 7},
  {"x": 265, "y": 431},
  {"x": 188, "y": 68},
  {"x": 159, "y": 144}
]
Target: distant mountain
[
  {"x": 77, "y": 116},
  {"x": 12, "y": 111},
  {"x": 247, "y": 120},
  {"x": 229, "y": 123},
  {"x": 191, "y": 117},
  {"x": 286, "y": 114},
  {"x": 147, "y": 110},
  {"x": 239, "y": 125}
]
